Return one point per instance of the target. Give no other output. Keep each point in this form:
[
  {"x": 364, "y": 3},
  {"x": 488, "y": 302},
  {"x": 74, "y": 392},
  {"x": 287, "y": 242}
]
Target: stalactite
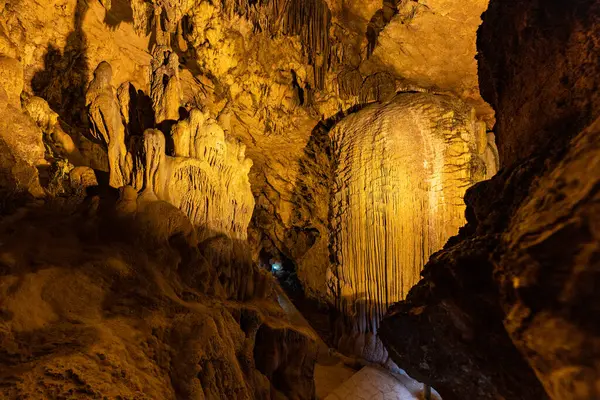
[
  {"x": 309, "y": 19},
  {"x": 400, "y": 171},
  {"x": 165, "y": 88}
]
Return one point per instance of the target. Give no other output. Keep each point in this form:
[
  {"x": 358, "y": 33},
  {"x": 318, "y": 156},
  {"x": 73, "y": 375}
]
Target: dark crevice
[
  {"x": 379, "y": 21},
  {"x": 297, "y": 88},
  {"x": 63, "y": 81}
]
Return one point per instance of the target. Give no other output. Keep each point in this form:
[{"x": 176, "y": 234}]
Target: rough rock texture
[
  {"x": 411, "y": 39},
  {"x": 564, "y": 99},
  {"x": 266, "y": 71},
  {"x": 207, "y": 176},
  {"x": 549, "y": 273},
  {"x": 507, "y": 307},
  {"x": 400, "y": 170},
  {"x": 96, "y": 305},
  {"x": 21, "y": 143}
]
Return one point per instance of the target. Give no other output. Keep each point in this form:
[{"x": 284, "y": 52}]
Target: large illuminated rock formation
[
  {"x": 106, "y": 125},
  {"x": 400, "y": 170},
  {"x": 208, "y": 176},
  {"x": 209, "y": 184}
]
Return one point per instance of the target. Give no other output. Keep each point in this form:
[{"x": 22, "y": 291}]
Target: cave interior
[{"x": 300, "y": 199}]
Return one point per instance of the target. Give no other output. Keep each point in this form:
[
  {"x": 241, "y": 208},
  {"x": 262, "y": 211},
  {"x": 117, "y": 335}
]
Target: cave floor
[{"x": 336, "y": 380}]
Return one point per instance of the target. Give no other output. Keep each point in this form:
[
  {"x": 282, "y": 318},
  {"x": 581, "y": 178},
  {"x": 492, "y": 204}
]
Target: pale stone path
[
  {"x": 372, "y": 383},
  {"x": 336, "y": 381}
]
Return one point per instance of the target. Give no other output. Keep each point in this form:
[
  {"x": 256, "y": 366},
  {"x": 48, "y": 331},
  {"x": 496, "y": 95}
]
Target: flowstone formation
[
  {"x": 207, "y": 174},
  {"x": 400, "y": 170}
]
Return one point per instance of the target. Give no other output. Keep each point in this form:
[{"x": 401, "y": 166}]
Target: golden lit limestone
[
  {"x": 207, "y": 179},
  {"x": 21, "y": 142},
  {"x": 39, "y": 110},
  {"x": 106, "y": 124},
  {"x": 165, "y": 88},
  {"x": 400, "y": 171}
]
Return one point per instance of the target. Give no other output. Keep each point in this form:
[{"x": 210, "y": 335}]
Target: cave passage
[{"x": 299, "y": 199}]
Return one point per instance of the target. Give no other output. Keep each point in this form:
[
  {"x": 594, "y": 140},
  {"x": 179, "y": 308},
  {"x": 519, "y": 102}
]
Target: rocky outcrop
[
  {"x": 536, "y": 106},
  {"x": 21, "y": 142},
  {"x": 400, "y": 170},
  {"x": 505, "y": 309},
  {"x": 100, "y": 305},
  {"x": 207, "y": 176},
  {"x": 548, "y": 272}
]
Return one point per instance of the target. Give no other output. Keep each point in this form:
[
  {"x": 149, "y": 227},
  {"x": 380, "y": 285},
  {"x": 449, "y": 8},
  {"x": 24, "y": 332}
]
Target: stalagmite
[
  {"x": 208, "y": 176},
  {"x": 155, "y": 162},
  {"x": 400, "y": 171},
  {"x": 165, "y": 86},
  {"x": 207, "y": 179},
  {"x": 106, "y": 125}
]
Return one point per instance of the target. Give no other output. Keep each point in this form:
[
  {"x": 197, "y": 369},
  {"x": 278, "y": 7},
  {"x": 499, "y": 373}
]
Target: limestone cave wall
[{"x": 266, "y": 72}]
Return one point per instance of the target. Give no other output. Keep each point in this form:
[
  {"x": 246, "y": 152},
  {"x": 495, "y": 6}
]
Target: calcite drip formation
[
  {"x": 400, "y": 170},
  {"x": 191, "y": 163}
]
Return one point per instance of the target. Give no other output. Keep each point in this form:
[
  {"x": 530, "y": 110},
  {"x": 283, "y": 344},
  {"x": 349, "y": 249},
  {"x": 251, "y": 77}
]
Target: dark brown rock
[
  {"x": 513, "y": 294},
  {"x": 538, "y": 68}
]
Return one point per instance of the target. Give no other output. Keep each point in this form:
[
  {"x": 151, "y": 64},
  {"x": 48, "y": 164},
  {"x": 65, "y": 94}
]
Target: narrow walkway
[
  {"x": 334, "y": 380},
  {"x": 378, "y": 383},
  {"x": 330, "y": 370}
]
